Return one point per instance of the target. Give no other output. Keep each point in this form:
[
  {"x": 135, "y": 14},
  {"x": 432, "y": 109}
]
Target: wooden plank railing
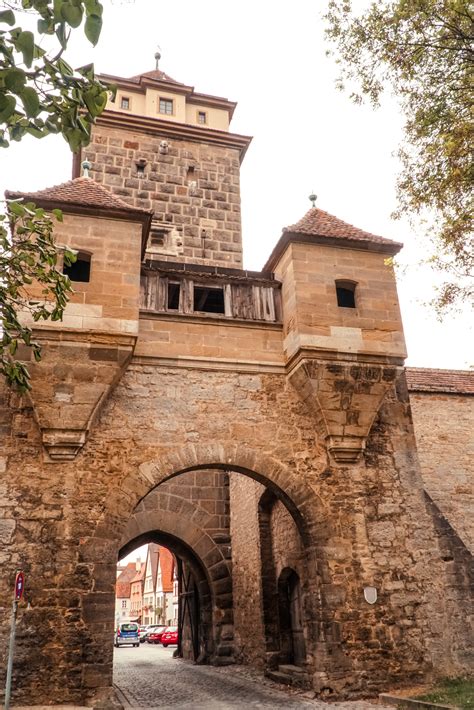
[{"x": 223, "y": 293}]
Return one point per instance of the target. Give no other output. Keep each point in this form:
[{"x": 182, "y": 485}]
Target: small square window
[
  {"x": 125, "y": 103},
  {"x": 202, "y": 117},
  {"x": 345, "y": 292},
  {"x": 166, "y": 106},
  {"x": 80, "y": 270}
]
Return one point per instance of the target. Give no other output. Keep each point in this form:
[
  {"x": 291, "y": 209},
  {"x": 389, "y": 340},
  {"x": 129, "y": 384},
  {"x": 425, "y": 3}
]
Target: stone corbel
[
  {"x": 344, "y": 399},
  {"x": 70, "y": 384}
]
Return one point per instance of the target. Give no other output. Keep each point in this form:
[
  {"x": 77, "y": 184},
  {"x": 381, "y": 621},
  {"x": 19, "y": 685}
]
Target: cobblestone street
[{"x": 150, "y": 677}]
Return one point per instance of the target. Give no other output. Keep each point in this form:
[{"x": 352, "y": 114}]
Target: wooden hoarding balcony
[{"x": 201, "y": 290}]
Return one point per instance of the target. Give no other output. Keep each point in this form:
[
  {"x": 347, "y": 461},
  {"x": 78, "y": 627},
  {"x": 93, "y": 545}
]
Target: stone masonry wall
[
  {"x": 246, "y": 569},
  {"x": 444, "y": 426},
  {"x": 286, "y": 541},
  {"x": 207, "y": 215},
  {"x": 365, "y": 524}
]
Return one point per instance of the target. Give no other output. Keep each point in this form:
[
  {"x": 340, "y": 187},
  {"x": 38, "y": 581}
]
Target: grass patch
[{"x": 451, "y": 691}]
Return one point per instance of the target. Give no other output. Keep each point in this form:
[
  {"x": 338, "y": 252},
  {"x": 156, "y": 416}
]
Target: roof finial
[
  {"x": 157, "y": 58},
  {"x": 313, "y": 199},
  {"x": 86, "y": 166}
]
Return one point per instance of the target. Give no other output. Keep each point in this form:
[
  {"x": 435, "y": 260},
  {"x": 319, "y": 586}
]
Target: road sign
[{"x": 19, "y": 585}]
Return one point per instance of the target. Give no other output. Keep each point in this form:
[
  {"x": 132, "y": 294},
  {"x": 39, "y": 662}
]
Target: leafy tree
[
  {"x": 423, "y": 51},
  {"x": 40, "y": 94}
]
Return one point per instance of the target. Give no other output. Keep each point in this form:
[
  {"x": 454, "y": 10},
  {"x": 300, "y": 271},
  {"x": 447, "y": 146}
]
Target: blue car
[{"x": 127, "y": 634}]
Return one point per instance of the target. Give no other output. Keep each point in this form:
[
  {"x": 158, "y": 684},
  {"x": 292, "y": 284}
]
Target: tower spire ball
[
  {"x": 313, "y": 197},
  {"x": 86, "y": 166}
]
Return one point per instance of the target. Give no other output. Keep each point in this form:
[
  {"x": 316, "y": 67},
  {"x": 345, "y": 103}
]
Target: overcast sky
[{"x": 270, "y": 58}]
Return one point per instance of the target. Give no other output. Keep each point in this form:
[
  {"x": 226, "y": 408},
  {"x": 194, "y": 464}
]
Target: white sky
[{"x": 270, "y": 57}]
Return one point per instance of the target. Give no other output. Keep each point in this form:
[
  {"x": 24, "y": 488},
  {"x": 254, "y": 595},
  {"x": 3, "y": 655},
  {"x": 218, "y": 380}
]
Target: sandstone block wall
[
  {"x": 444, "y": 426},
  {"x": 245, "y": 494},
  {"x": 194, "y": 188}
]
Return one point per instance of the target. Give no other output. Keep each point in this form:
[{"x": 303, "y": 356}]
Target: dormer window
[
  {"x": 345, "y": 292},
  {"x": 125, "y": 103},
  {"x": 202, "y": 117},
  {"x": 80, "y": 270},
  {"x": 166, "y": 106}
]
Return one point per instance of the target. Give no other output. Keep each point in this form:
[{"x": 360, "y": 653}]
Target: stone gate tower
[
  {"x": 256, "y": 423},
  {"x": 163, "y": 146}
]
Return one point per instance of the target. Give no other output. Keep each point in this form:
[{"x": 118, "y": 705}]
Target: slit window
[
  {"x": 345, "y": 291},
  {"x": 173, "y": 296},
  {"x": 80, "y": 270},
  {"x": 166, "y": 106},
  {"x": 209, "y": 300}
]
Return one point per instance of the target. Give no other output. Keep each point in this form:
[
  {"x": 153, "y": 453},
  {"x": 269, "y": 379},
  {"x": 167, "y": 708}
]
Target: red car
[
  {"x": 154, "y": 636},
  {"x": 170, "y": 636}
]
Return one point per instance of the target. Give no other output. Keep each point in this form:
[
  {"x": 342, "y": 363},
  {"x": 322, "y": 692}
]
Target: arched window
[{"x": 345, "y": 292}]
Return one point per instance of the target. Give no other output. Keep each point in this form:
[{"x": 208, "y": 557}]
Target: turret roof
[
  {"x": 319, "y": 223},
  {"x": 85, "y": 196},
  {"x": 320, "y": 227},
  {"x": 82, "y": 191}
]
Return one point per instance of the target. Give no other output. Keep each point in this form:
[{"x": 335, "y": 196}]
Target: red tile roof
[
  {"x": 82, "y": 191},
  {"x": 166, "y": 566},
  {"x": 421, "y": 379},
  {"x": 122, "y": 586},
  {"x": 318, "y": 223},
  {"x": 319, "y": 227}
]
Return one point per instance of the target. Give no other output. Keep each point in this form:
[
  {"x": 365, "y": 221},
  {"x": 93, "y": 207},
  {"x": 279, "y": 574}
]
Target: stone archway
[{"x": 191, "y": 543}]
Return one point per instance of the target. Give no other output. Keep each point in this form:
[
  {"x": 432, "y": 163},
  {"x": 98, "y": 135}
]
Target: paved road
[{"x": 149, "y": 676}]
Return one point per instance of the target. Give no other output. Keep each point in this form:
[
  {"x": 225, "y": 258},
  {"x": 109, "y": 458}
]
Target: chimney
[{"x": 138, "y": 564}]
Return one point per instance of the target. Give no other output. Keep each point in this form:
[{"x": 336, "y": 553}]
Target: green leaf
[
  {"x": 72, "y": 14},
  {"x": 45, "y": 27},
  {"x": 7, "y": 108},
  {"x": 15, "y": 79},
  {"x": 92, "y": 28},
  {"x": 25, "y": 44},
  {"x": 30, "y": 102},
  {"x": 8, "y": 17},
  {"x": 58, "y": 214}
]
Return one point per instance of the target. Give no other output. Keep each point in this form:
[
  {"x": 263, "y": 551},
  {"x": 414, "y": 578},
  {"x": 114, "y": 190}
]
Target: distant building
[{"x": 125, "y": 573}]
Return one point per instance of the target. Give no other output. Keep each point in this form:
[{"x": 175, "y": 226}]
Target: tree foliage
[
  {"x": 423, "y": 51},
  {"x": 40, "y": 94}
]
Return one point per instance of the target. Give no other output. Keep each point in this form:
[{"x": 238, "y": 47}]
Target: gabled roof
[
  {"x": 139, "y": 575},
  {"x": 320, "y": 227},
  {"x": 166, "y": 566},
  {"x": 85, "y": 196},
  {"x": 424, "y": 379},
  {"x": 122, "y": 585},
  {"x": 153, "y": 553}
]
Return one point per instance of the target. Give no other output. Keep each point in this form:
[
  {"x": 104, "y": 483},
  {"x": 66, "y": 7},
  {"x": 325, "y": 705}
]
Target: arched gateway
[{"x": 257, "y": 423}]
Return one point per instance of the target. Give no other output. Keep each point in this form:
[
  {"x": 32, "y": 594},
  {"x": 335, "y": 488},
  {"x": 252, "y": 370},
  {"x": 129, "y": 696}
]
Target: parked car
[
  {"x": 142, "y": 632},
  {"x": 170, "y": 636},
  {"x": 127, "y": 634},
  {"x": 150, "y": 628},
  {"x": 155, "y": 634}
]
